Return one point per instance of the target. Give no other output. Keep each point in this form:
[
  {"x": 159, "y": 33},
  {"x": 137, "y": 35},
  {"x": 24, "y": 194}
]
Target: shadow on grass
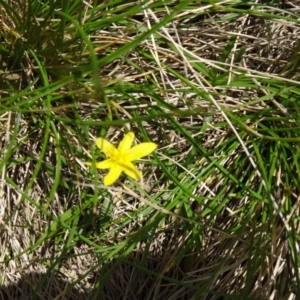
[{"x": 35, "y": 286}]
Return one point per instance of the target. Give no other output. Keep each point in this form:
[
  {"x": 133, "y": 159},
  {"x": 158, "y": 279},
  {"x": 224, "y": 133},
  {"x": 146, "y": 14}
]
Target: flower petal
[
  {"x": 105, "y": 164},
  {"x": 130, "y": 170},
  {"x": 113, "y": 175},
  {"x": 126, "y": 143},
  {"x": 139, "y": 151},
  {"x": 106, "y": 147}
]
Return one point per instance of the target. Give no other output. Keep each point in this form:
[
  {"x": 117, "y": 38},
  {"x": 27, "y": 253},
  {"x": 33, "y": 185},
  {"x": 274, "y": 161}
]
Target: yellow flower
[{"x": 120, "y": 160}]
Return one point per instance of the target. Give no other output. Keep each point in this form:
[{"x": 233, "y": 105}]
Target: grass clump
[{"x": 215, "y": 85}]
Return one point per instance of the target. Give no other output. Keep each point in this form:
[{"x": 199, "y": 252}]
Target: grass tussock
[{"x": 215, "y": 85}]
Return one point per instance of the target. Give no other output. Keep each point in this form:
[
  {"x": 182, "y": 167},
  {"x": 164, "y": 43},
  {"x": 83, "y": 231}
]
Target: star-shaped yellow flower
[{"x": 120, "y": 160}]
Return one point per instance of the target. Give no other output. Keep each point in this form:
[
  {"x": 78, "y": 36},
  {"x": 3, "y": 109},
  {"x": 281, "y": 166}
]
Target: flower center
[{"x": 118, "y": 157}]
